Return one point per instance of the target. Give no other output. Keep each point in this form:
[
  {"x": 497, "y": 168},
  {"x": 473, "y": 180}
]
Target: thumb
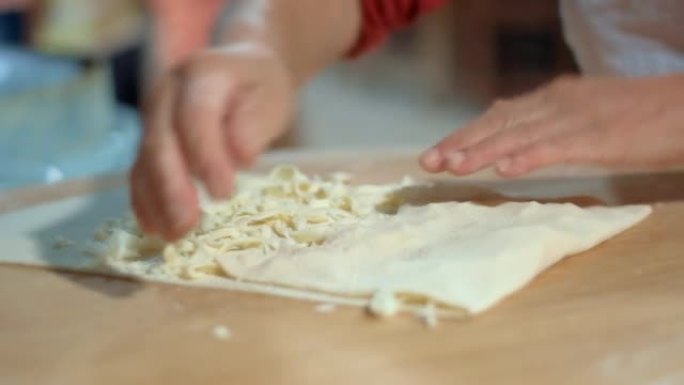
[{"x": 260, "y": 116}]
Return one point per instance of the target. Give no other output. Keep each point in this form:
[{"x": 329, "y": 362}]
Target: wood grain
[{"x": 613, "y": 315}]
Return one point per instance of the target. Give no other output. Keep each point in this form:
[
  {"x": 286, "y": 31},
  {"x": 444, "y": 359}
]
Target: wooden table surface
[{"x": 613, "y": 315}]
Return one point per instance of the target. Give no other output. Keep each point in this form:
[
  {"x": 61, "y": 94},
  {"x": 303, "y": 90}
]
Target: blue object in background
[{"x": 59, "y": 120}]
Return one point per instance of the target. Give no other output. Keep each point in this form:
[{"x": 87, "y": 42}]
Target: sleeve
[
  {"x": 382, "y": 17},
  {"x": 614, "y": 38}
]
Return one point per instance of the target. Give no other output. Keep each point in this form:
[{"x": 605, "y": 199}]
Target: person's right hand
[{"x": 213, "y": 114}]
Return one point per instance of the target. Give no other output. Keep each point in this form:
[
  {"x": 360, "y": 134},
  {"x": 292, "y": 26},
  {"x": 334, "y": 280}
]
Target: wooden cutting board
[{"x": 613, "y": 315}]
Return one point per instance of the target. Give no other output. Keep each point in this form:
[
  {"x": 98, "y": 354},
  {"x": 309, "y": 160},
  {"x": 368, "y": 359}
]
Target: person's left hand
[{"x": 612, "y": 122}]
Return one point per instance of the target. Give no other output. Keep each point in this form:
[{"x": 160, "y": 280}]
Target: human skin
[
  {"x": 218, "y": 110},
  {"x": 615, "y": 122}
]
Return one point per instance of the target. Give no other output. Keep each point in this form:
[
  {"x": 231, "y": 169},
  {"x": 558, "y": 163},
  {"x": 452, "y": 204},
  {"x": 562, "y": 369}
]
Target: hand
[
  {"x": 613, "y": 122},
  {"x": 211, "y": 115}
]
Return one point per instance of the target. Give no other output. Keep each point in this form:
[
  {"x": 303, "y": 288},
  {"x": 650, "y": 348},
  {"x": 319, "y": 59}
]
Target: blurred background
[{"x": 72, "y": 73}]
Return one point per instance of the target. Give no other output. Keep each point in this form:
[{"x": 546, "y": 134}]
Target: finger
[
  {"x": 250, "y": 130},
  {"x": 499, "y": 145},
  {"x": 200, "y": 114},
  {"x": 431, "y": 160},
  {"x": 247, "y": 133},
  {"x": 571, "y": 147},
  {"x": 171, "y": 186},
  {"x": 490, "y": 122},
  {"x": 503, "y": 115},
  {"x": 142, "y": 206},
  {"x": 447, "y": 150},
  {"x": 167, "y": 178},
  {"x": 535, "y": 156}
]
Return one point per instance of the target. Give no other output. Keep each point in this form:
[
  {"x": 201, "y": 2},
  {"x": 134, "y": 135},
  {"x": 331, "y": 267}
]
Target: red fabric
[{"x": 382, "y": 17}]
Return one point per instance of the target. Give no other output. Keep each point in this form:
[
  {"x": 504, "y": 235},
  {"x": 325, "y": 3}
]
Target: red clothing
[{"x": 381, "y": 17}]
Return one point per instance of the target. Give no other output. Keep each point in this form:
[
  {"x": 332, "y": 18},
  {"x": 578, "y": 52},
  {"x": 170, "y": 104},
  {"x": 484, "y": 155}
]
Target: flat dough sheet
[
  {"x": 459, "y": 254},
  {"x": 28, "y": 237}
]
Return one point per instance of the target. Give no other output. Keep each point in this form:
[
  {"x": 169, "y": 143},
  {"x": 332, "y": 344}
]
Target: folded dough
[
  {"x": 460, "y": 254},
  {"x": 323, "y": 235},
  {"x": 323, "y": 239}
]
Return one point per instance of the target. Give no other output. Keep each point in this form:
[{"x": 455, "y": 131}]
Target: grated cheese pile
[{"x": 284, "y": 210}]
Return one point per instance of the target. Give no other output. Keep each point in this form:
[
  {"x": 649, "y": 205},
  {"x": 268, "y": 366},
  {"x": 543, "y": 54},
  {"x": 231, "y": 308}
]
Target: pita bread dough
[
  {"x": 460, "y": 254},
  {"x": 324, "y": 240}
]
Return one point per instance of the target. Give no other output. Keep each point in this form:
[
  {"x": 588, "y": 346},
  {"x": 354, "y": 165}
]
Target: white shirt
[{"x": 625, "y": 37}]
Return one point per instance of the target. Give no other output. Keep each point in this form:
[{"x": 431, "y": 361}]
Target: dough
[
  {"x": 285, "y": 211},
  {"x": 325, "y": 240},
  {"x": 459, "y": 254}
]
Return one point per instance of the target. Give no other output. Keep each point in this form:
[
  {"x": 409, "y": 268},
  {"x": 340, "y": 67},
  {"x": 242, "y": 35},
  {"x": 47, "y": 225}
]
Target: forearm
[
  {"x": 307, "y": 35},
  {"x": 180, "y": 28}
]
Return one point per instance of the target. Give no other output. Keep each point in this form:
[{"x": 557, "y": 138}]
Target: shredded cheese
[{"x": 284, "y": 210}]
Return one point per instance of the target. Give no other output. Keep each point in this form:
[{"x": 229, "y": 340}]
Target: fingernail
[
  {"x": 504, "y": 165},
  {"x": 432, "y": 158},
  {"x": 455, "y": 159}
]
